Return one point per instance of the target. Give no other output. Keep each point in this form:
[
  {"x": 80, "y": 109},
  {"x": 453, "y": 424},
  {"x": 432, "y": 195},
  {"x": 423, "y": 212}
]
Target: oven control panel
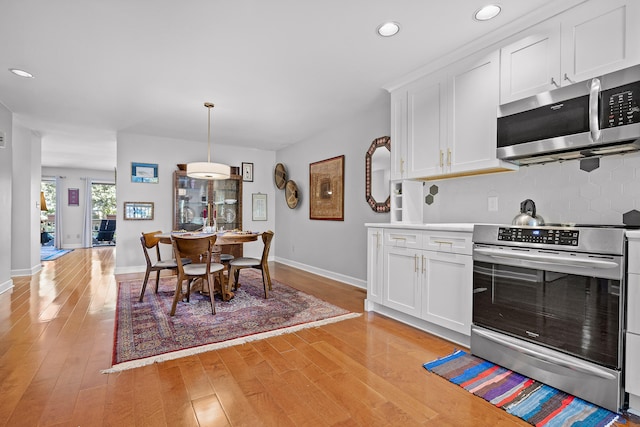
[{"x": 539, "y": 235}]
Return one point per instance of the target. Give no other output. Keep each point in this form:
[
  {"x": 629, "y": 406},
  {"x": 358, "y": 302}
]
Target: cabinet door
[
  {"x": 190, "y": 202},
  {"x": 447, "y": 290},
  {"x": 398, "y": 133},
  {"x": 598, "y": 38},
  {"x": 632, "y": 367},
  {"x": 473, "y": 107},
  {"x": 426, "y": 127},
  {"x": 530, "y": 65},
  {"x": 401, "y": 284},
  {"x": 374, "y": 265}
]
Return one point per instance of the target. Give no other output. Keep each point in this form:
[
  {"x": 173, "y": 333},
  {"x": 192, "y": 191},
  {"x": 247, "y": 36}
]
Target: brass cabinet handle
[
  {"x": 415, "y": 263},
  {"x": 441, "y": 155},
  {"x": 443, "y": 242},
  {"x": 423, "y": 264},
  {"x": 566, "y": 77},
  {"x": 553, "y": 82},
  {"x": 448, "y": 156},
  {"x": 401, "y": 166}
]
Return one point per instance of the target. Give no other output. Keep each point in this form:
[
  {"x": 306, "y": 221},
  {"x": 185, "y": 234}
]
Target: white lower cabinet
[
  {"x": 402, "y": 280},
  {"x": 447, "y": 290},
  {"x": 426, "y": 274},
  {"x": 374, "y": 265}
]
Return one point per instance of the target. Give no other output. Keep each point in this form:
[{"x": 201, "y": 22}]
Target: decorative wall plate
[
  {"x": 280, "y": 176},
  {"x": 291, "y": 194}
]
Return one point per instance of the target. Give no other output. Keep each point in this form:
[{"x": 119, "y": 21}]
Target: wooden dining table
[{"x": 222, "y": 238}]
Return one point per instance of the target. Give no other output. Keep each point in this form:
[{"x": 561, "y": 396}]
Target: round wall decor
[
  {"x": 280, "y": 176},
  {"x": 291, "y": 194}
]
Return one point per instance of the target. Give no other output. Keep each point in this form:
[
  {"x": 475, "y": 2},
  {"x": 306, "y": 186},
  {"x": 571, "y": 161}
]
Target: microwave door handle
[
  {"x": 558, "y": 260},
  {"x": 594, "y": 116}
]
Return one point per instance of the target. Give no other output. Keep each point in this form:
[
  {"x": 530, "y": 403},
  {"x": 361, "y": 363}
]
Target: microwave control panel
[
  {"x": 539, "y": 235},
  {"x": 620, "y": 106}
]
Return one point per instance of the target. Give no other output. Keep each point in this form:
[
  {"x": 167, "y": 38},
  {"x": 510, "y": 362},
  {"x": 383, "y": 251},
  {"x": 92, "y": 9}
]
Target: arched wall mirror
[{"x": 378, "y": 172}]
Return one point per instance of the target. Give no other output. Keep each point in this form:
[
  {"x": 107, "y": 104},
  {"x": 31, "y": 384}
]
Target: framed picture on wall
[
  {"x": 74, "y": 196},
  {"x": 247, "y": 172},
  {"x": 144, "y": 172},
  {"x": 138, "y": 210},
  {"x": 326, "y": 187},
  {"x": 259, "y": 207}
]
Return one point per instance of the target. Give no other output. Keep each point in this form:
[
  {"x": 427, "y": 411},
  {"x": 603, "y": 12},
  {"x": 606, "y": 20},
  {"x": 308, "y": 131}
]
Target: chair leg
[
  {"x": 211, "y": 293},
  {"x": 265, "y": 273},
  {"x": 236, "y": 278},
  {"x": 157, "y": 280},
  {"x": 264, "y": 283},
  {"x": 177, "y": 295},
  {"x": 144, "y": 285}
]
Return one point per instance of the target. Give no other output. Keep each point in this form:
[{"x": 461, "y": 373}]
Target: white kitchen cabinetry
[
  {"x": 447, "y": 268},
  {"x": 426, "y": 279},
  {"x": 398, "y": 134},
  {"x": 406, "y": 201},
  {"x": 450, "y": 125},
  {"x": 587, "y": 41},
  {"x": 632, "y": 357},
  {"x": 374, "y": 264}
]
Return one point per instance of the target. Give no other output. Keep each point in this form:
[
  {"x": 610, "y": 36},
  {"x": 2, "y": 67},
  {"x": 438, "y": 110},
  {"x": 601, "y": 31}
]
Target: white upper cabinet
[
  {"x": 530, "y": 65},
  {"x": 398, "y": 134},
  {"x": 587, "y": 41},
  {"x": 473, "y": 103},
  {"x": 427, "y": 122},
  {"x": 599, "y": 37}
]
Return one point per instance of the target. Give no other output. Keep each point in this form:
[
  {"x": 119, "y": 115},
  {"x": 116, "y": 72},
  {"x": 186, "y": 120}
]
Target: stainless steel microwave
[{"x": 597, "y": 117}]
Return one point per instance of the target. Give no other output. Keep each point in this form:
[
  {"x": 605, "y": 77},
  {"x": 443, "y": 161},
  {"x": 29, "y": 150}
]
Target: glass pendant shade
[{"x": 208, "y": 170}]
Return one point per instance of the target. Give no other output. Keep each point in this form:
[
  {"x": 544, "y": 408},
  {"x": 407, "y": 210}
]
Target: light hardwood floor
[{"x": 56, "y": 334}]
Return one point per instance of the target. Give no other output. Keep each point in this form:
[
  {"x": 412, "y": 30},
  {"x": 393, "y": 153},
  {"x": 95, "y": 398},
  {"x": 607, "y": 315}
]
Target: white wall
[
  {"x": 25, "y": 223},
  {"x": 562, "y": 192},
  {"x": 167, "y": 153},
  {"x": 335, "y": 249},
  {"x": 73, "y": 216},
  {"x": 5, "y": 200}
]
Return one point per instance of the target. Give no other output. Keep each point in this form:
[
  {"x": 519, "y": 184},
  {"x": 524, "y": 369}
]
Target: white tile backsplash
[{"x": 562, "y": 193}]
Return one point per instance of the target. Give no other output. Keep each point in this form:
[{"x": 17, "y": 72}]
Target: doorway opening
[
  {"x": 103, "y": 214},
  {"x": 48, "y": 215}
]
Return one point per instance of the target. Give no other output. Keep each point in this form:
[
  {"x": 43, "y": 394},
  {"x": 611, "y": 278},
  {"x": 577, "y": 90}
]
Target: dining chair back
[
  {"x": 200, "y": 251},
  {"x": 238, "y": 264},
  {"x": 150, "y": 243}
]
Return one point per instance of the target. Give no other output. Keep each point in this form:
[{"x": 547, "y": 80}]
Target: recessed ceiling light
[
  {"x": 388, "y": 29},
  {"x": 487, "y": 12},
  {"x": 21, "y": 73}
]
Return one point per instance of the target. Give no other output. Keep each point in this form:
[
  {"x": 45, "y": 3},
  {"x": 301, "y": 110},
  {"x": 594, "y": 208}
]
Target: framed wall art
[
  {"x": 259, "y": 207},
  {"x": 247, "y": 172},
  {"x": 144, "y": 172},
  {"x": 138, "y": 210},
  {"x": 326, "y": 188},
  {"x": 74, "y": 196}
]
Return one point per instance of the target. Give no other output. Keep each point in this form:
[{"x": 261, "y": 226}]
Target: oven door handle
[
  {"x": 556, "y": 360},
  {"x": 556, "y": 259}
]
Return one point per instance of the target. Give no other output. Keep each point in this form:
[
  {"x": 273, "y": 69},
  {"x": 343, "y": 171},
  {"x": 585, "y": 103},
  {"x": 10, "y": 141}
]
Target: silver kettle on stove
[{"x": 528, "y": 215}]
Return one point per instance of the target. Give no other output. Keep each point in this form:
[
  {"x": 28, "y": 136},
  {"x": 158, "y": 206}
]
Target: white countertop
[
  {"x": 464, "y": 227},
  {"x": 633, "y": 234}
]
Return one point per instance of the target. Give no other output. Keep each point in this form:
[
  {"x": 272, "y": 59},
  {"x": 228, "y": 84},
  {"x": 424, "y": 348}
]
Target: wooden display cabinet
[{"x": 195, "y": 201}]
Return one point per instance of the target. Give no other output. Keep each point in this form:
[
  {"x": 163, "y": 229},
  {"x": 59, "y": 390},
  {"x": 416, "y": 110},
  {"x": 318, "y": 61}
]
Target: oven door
[{"x": 570, "y": 302}]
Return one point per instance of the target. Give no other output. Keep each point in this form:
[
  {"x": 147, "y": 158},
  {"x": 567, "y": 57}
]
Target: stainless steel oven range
[{"x": 548, "y": 302}]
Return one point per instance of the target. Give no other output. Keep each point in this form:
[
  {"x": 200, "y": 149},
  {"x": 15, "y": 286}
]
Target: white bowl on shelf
[{"x": 230, "y": 201}]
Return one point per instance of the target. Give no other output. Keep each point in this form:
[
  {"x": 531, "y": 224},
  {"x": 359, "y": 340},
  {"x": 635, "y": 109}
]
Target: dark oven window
[{"x": 576, "y": 314}]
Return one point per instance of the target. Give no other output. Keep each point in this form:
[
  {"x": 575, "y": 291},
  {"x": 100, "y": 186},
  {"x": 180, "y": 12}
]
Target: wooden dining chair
[
  {"x": 149, "y": 241},
  {"x": 238, "y": 264},
  {"x": 201, "y": 249}
]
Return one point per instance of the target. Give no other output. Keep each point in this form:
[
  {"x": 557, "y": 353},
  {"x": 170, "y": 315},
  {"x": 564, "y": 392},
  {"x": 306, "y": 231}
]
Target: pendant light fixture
[{"x": 208, "y": 170}]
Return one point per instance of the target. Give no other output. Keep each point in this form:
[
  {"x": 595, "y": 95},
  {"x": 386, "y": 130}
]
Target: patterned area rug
[
  {"x": 530, "y": 400},
  {"x": 49, "y": 253},
  {"x": 145, "y": 333}
]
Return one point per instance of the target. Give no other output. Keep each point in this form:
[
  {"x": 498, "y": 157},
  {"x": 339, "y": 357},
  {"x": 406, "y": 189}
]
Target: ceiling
[{"x": 278, "y": 71}]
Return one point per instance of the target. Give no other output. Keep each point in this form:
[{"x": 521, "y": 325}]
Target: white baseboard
[
  {"x": 6, "y": 286},
  {"x": 358, "y": 283},
  {"x": 130, "y": 269},
  {"x": 26, "y": 271}
]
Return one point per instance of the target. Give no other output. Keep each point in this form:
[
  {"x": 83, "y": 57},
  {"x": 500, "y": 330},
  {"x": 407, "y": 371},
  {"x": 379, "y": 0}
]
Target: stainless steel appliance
[
  {"x": 548, "y": 302},
  {"x": 593, "y": 118}
]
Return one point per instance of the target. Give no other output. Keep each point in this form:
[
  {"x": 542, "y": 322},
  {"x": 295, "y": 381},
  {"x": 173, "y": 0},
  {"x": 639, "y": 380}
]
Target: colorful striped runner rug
[{"x": 530, "y": 400}]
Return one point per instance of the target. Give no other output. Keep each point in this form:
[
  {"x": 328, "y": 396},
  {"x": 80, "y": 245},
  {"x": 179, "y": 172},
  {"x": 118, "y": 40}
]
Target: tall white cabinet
[{"x": 632, "y": 359}]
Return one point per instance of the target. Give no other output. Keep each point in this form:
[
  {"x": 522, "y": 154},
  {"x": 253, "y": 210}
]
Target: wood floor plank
[{"x": 56, "y": 335}]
